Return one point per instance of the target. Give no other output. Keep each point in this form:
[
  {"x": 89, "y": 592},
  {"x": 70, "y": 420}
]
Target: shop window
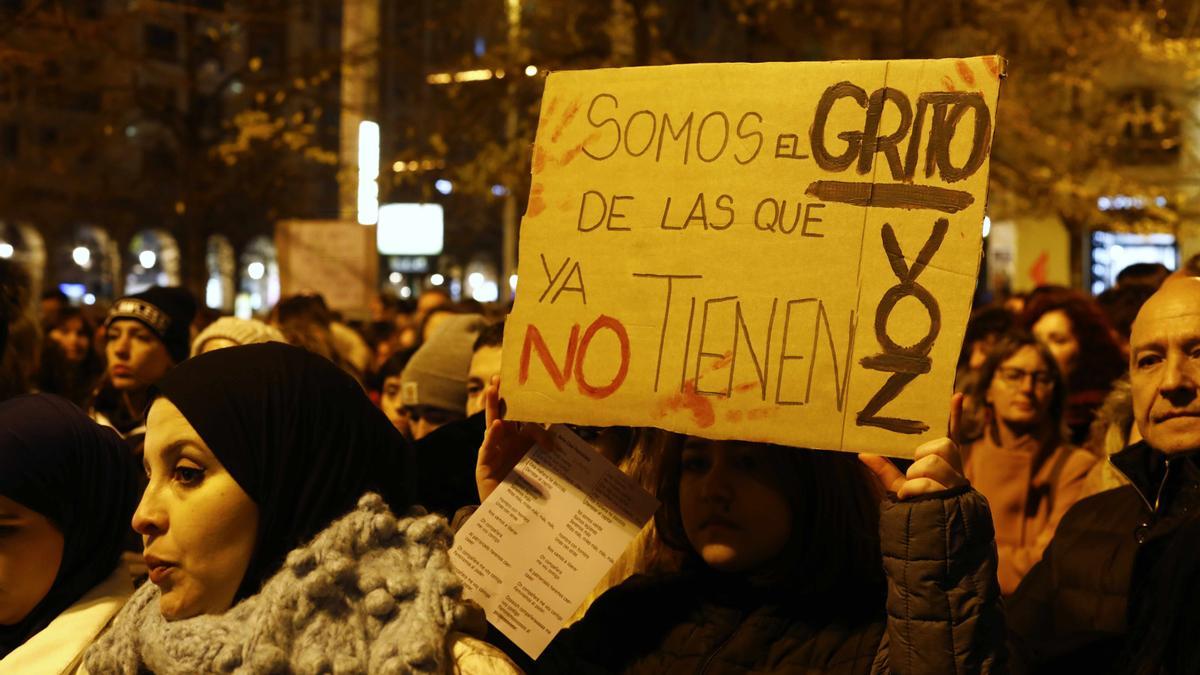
[
  {"x": 258, "y": 279},
  {"x": 86, "y": 264},
  {"x": 221, "y": 264},
  {"x": 1114, "y": 251},
  {"x": 154, "y": 261}
]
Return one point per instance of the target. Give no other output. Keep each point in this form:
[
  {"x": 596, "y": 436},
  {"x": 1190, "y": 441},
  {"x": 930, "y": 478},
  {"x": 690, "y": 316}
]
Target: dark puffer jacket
[
  {"x": 1072, "y": 612},
  {"x": 942, "y": 614}
]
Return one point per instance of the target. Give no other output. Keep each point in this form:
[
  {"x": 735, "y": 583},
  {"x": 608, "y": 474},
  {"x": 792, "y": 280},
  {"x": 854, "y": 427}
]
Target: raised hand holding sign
[{"x": 937, "y": 465}]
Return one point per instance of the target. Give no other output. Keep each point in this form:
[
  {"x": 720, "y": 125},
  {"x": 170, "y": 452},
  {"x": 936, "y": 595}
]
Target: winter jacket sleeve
[{"x": 945, "y": 614}]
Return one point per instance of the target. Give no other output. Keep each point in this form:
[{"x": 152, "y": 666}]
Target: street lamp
[
  {"x": 6, "y": 250},
  {"x": 255, "y": 270},
  {"x": 368, "y": 172},
  {"x": 81, "y": 255},
  {"x": 147, "y": 259}
]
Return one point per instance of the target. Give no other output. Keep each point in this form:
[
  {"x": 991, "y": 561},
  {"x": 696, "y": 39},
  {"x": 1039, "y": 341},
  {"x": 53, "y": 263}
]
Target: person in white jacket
[{"x": 67, "y": 492}]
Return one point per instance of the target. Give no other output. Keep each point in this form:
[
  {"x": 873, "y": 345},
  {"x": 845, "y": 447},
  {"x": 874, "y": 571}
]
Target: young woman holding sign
[{"x": 782, "y": 568}]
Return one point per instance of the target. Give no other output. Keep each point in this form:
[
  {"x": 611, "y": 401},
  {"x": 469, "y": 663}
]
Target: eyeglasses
[{"x": 1016, "y": 376}]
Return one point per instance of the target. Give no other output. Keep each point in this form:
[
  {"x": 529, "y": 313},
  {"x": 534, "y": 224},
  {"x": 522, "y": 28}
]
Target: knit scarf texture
[{"x": 369, "y": 594}]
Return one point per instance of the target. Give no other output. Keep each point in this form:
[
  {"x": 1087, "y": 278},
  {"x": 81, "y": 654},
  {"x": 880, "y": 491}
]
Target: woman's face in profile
[
  {"x": 31, "y": 549},
  {"x": 197, "y": 524}
]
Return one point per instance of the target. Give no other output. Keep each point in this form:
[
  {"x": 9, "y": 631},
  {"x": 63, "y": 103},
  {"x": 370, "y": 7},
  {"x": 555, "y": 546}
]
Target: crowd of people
[{"x": 187, "y": 493}]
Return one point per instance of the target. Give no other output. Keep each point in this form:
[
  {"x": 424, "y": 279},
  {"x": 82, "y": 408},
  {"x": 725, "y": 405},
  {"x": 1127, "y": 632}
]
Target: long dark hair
[
  {"x": 1052, "y": 432},
  {"x": 73, "y": 381},
  {"x": 1100, "y": 358},
  {"x": 834, "y": 544}
]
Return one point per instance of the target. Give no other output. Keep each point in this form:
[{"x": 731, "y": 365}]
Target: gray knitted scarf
[{"x": 370, "y": 594}]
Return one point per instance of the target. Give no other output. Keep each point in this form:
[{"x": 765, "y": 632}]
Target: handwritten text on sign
[{"x": 773, "y": 252}]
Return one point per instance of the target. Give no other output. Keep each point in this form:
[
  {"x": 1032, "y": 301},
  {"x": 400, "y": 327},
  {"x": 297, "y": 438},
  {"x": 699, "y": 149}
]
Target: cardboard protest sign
[
  {"x": 770, "y": 252},
  {"x": 335, "y": 258}
]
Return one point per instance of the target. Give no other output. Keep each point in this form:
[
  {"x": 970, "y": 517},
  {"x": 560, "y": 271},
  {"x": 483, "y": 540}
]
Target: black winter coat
[
  {"x": 1072, "y": 612},
  {"x": 942, "y": 613}
]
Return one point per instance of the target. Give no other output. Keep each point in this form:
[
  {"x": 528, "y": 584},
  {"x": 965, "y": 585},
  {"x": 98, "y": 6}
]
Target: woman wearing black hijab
[
  {"x": 67, "y": 490},
  {"x": 270, "y": 536}
]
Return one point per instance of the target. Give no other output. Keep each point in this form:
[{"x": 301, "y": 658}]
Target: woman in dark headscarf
[
  {"x": 67, "y": 490},
  {"x": 268, "y": 534}
]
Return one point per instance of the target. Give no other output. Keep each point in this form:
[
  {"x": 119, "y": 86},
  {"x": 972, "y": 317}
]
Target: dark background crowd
[{"x": 1070, "y": 463}]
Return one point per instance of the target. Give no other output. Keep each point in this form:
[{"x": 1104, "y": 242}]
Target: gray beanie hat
[
  {"x": 436, "y": 376},
  {"x": 241, "y": 331}
]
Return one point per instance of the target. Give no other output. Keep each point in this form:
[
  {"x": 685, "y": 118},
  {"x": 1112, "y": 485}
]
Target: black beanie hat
[{"x": 168, "y": 312}]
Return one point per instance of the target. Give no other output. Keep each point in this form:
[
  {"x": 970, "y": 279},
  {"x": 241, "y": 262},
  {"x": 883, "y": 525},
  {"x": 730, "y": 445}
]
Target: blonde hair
[{"x": 1108, "y": 435}]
